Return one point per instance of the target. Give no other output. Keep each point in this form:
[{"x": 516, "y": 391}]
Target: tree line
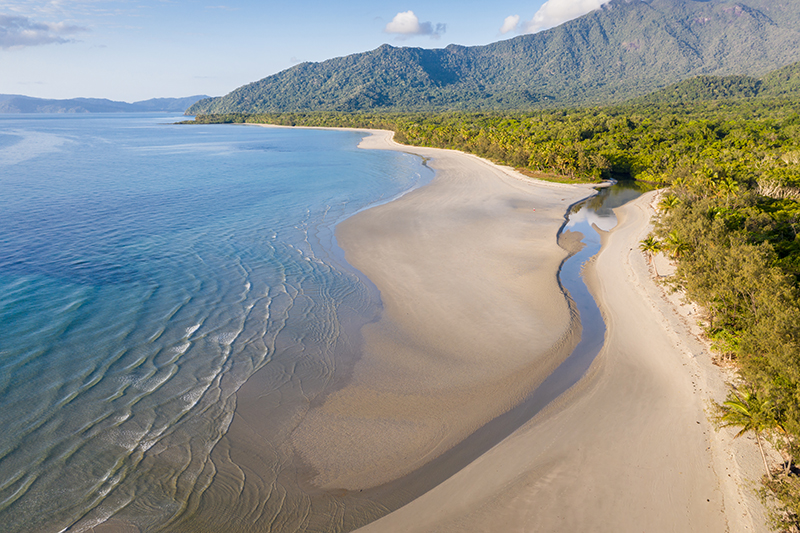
[
  {"x": 655, "y": 143},
  {"x": 730, "y": 218}
]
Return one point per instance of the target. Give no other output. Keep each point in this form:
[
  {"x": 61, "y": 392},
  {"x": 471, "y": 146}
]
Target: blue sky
[{"x": 135, "y": 50}]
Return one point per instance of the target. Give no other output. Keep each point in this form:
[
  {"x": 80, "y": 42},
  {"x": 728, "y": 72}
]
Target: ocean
[{"x": 147, "y": 270}]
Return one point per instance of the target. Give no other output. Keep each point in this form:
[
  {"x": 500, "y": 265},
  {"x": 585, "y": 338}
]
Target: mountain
[
  {"x": 13, "y": 103},
  {"x": 781, "y": 83},
  {"x": 625, "y": 49}
]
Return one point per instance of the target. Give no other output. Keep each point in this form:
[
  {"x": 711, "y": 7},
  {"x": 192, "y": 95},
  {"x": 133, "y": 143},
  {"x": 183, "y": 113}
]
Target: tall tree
[
  {"x": 650, "y": 246},
  {"x": 750, "y": 413}
]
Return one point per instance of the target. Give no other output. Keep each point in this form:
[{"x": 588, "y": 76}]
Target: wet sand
[
  {"x": 628, "y": 448},
  {"x": 473, "y": 320}
]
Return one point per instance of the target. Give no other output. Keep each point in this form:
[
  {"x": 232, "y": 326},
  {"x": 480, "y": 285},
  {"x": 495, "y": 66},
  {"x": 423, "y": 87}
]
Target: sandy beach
[
  {"x": 629, "y": 448},
  {"x": 473, "y": 320}
]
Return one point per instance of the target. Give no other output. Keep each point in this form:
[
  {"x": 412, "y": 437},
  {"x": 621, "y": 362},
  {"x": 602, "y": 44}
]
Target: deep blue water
[{"x": 146, "y": 271}]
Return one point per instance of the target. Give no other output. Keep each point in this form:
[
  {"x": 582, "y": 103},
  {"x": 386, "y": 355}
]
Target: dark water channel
[
  {"x": 582, "y": 217},
  {"x": 594, "y": 211}
]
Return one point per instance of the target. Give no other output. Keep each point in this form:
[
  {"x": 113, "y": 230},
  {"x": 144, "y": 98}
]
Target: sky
[{"x": 132, "y": 50}]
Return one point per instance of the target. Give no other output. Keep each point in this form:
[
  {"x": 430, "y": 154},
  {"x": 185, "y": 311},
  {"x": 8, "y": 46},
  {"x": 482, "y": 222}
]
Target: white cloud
[
  {"x": 554, "y": 12},
  {"x": 65, "y": 9},
  {"x": 510, "y": 23},
  {"x": 406, "y": 24},
  {"x": 18, "y": 32}
]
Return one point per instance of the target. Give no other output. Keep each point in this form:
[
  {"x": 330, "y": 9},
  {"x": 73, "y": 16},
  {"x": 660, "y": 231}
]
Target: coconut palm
[
  {"x": 668, "y": 202},
  {"x": 676, "y": 245},
  {"x": 727, "y": 188},
  {"x": 750, "y": 413},
  {"x": 650, "y": 246}
]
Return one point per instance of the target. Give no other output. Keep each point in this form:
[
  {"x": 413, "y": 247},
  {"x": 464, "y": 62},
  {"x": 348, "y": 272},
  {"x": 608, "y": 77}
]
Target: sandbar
[
  {"x": 629, "y": 448},
  {"x": 473, "y": 320}
]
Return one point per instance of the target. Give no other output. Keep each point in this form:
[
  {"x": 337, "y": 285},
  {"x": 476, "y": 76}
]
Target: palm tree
[
  {"x": 727, "y": 188},
  {"x": 749, "y": 413},
  {"x": 676, "y": 245},
  {"x": 668, "y": 202},
  {"x": 650, "y": 246}
]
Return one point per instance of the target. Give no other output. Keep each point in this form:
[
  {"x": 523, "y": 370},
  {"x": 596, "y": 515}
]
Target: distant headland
[{"x": 14, "y": 103}]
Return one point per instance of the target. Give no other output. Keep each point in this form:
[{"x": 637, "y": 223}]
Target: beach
[
  {"x": 473, "y": 320},
  {"x": 324, "y": 338},
  {"x": 629, "y": 448}
]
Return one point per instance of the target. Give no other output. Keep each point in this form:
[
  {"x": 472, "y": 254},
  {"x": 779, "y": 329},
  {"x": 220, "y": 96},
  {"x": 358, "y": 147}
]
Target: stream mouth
[
  {"x": 581, "y": 219},
  {"x": 585, "y": 218}
]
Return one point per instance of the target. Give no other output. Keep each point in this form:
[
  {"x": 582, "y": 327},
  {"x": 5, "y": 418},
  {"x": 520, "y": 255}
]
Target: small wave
[
  {"x": 91, "y": 523},
  {"x": 127, "y": 380},
  {"x": 146, "y": 444},
  {"x": 124, "y": 438},
  {"x": 180, "y": 349},
  {"x": 225, "y": 339},
  {"x": 192, "y": 329},
  {"x": 151, "y": 384},
  {"x": 191, "y": 398},
  {"x": 100, "y": 515}
]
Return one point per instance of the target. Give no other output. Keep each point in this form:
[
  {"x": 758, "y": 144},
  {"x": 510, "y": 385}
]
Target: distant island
[{"x": 14, "y": 103}]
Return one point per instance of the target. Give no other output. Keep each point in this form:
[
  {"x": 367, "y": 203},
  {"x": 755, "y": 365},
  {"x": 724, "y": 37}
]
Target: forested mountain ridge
[
  {"x": 778, "y": 84},
  {"x": 625, "y": 49}
]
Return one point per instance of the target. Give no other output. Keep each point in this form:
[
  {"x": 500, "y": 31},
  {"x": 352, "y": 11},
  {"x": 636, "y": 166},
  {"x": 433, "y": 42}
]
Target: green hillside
[
  {"x": 726, "y": 149},
  {"x": 784, "y": 82},
  {"x": 627, "y": 48},
  {"x": 781, "y": 83}
]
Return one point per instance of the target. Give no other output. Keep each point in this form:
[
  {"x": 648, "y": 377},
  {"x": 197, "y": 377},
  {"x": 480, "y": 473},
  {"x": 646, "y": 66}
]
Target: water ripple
[{"x": 143, "y": 281}]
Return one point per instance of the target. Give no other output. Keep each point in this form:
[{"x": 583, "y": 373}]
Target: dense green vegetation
[
  {"x": 731, "y": 219},
  {"x": 733, "y": 222},
  {"x": 782, "y": 83},
  {"x": 625, "y": 49},
  {"x": 650, "y": 143}
]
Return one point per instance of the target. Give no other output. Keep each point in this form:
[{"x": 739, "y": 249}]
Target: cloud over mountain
[
  {"x": 510, "y": 24},
  {"x": 624, "y": 49},
  {"x": 554, "y": 12},
  {"x": 407, "y": 24}
]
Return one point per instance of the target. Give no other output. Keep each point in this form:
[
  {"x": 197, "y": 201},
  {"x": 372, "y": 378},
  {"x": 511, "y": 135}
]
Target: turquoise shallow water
[{"x": 146, "y": 271}]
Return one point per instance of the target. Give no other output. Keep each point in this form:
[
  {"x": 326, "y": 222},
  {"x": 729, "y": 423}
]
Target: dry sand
[
  {"x": 474, "y": 319},
  {"x": 629, "y": 448}
]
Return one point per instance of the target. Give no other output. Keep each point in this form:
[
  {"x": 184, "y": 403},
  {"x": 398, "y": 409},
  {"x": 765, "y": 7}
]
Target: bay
[{"x": 147, "y": 270}]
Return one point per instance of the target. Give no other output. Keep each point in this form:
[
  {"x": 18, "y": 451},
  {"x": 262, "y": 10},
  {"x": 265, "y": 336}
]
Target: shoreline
[
  {"x": 629, "y": 446},
  {"x": 457, "y": 261},
  {"x": 473, "y": 319},
  {"x": 423, "y": 357}
]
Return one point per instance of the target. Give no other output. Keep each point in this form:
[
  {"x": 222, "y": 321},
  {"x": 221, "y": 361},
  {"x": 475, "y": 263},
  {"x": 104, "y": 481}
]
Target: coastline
[
  {"x": 473, "y": 321},
  {"x": 629, "y": 447}
]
